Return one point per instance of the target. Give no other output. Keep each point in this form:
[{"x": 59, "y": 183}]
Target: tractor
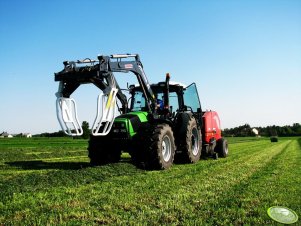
[{"x": 157, "y": 124}]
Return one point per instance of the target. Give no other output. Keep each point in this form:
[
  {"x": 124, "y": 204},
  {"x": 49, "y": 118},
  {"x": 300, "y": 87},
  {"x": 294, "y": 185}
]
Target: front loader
[{"x": 159, "y": 124}]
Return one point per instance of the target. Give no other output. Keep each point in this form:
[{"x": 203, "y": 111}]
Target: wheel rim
[
  {"x": 226, "y": 149},
  {"x": 166, "y": 148},
  {"x": 195, "y": 141}
]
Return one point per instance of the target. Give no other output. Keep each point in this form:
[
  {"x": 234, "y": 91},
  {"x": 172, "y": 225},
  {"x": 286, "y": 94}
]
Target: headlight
[{"x": 119, "y": 128}]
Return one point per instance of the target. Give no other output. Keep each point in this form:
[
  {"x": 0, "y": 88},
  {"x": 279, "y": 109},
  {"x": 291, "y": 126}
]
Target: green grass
[{"x": 49, "y": 182}]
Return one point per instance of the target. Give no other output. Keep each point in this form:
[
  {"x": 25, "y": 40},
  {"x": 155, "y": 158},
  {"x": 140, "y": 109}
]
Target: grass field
[{"x": 49, "y": 182}]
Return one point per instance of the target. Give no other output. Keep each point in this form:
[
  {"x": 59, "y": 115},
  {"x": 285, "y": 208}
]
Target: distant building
[
  {"x": 5, "y": 135},
  {"x": 27, "y": 135},
  {"x": 255, "y": 131}
]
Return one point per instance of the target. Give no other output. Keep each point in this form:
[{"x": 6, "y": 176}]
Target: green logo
[{"x": 282, "y": 215}]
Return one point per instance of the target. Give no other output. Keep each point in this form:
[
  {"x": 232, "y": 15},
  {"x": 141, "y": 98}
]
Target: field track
[{"x": 49, "y": 182}]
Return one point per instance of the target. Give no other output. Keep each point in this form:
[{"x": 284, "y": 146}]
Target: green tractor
[{"x": 157, "y": 123}]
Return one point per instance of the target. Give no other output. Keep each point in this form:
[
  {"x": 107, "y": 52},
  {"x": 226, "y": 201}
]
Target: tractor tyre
[
  {"x": 138, "y": 152},
  {"x": 222, "y": 148},
  {"x": 188, "y": 140},
  {"x": 158, "y": 147},
  {"x": 102, "y": 151}
]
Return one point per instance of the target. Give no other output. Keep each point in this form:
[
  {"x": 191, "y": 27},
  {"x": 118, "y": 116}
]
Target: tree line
[
  {"x": 240, "y": 131},
  {"x": 85, "y": 127},
  {"x": 246, "y": 130}
]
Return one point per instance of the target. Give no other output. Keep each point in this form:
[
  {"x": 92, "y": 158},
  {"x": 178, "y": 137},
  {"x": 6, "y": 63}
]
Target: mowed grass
[{"x": 49, "y": 182}]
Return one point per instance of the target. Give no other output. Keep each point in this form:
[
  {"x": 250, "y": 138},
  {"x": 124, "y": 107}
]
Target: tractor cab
[
  {"x": 181, "y": 98},
  {"x": 138, "y": 102}
]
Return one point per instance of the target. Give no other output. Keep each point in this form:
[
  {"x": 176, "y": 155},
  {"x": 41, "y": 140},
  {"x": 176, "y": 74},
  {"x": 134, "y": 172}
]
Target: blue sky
[{"x": 245, "y": 56}]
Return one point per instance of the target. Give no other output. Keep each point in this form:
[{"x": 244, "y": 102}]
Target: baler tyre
[
  {"x": 222, "y": 148},
  {"x": 100, "y": 154},
  {"x": 160, "y": 148},
  {"x": 189, "y": 140}
]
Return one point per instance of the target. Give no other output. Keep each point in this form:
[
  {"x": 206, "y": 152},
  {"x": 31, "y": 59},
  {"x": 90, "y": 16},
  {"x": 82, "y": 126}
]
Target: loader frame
[{"x": 100, "y": 73}]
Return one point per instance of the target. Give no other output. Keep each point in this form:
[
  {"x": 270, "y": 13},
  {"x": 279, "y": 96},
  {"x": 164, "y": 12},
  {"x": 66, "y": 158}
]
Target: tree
[
  {"x": 297, "y": 129},
  {"x": 282, "y": 131},
  {"x": 86, "y": 130}
]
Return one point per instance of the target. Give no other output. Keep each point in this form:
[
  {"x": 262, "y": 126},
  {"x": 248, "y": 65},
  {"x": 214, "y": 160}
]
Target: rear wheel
[
  {"x": 102, "y": 151},
  {"x": 222, "y": 148},
  {"x": 189, "y": 143}
]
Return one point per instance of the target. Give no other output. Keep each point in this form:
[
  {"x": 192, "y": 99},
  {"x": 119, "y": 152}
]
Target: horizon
[{"x": 251, "y": 127}]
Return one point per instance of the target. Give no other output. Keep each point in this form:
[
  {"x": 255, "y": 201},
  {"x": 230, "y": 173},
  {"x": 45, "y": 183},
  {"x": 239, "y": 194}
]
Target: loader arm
[{"x": 100, "y": 73}]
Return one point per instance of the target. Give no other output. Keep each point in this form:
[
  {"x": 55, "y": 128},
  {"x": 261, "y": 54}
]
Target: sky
[{"x": 244, "y": 56}]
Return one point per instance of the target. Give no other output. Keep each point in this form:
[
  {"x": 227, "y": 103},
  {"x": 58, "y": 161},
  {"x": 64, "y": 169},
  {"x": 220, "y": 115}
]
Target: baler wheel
[{"x": 222, "y": 148}]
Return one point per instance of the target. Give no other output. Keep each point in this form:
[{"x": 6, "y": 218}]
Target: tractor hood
[{"x": 129, "y": 122}]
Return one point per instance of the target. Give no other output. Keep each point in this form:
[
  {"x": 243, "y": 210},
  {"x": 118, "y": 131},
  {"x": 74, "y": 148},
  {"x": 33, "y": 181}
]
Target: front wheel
[
  {"x": 158, "y": 147},
  {"x": 102, "y": 151},
  {"x": 166, "y": 148},
  {"x": 163, "y": 147}
]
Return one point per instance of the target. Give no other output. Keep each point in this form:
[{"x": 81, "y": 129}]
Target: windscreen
[
  {"x": 139, "y": 104},
  {"x": 173, "y": 100}
]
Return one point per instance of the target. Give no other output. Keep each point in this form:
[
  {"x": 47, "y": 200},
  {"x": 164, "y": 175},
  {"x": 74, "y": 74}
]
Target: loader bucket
[
  {"x": 106, "y": 105},
  {"x": 67, "y": 116}
]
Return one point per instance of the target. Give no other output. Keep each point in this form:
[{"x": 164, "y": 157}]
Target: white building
[
  {"x": 255, "y": 131},
  {"x": 27, "y": 135},
  {"x": 6, "y": 135}
]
